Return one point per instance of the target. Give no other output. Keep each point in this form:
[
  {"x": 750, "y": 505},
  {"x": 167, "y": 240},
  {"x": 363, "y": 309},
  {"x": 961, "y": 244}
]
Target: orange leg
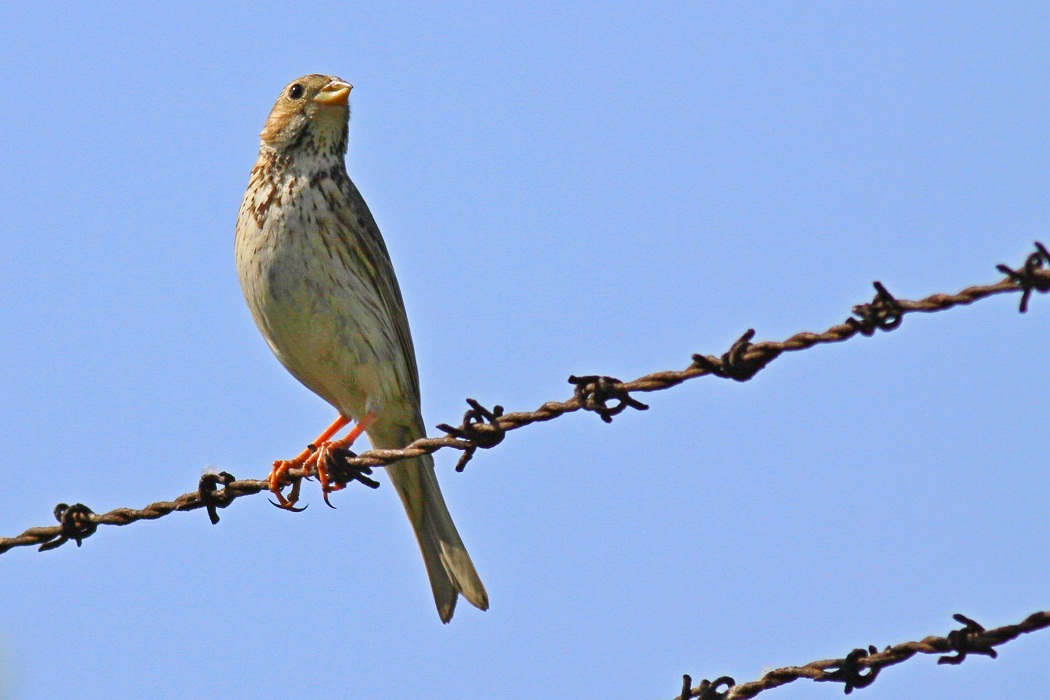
[
  {"x": 321, "y": 457},
  {"x": 281, "y": 466}
]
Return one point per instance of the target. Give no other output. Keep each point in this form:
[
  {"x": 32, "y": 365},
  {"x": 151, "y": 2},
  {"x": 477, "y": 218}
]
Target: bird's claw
[
  {"x": 328, "y": 503},
  {"x": 280, "y": 468},
  {"x": 289, "y": 506}
]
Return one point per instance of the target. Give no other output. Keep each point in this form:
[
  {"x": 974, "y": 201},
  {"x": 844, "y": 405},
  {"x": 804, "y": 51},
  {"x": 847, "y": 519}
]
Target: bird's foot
[
  {"x": 331, "y": 461},
  {"x": 334, "y": 468}
]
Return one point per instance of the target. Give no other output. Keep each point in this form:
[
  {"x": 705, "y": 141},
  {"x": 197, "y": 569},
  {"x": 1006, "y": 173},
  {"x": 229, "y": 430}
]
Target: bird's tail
[{"x": 448, "y": 565}]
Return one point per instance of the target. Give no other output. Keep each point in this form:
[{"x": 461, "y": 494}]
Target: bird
[{"x": 320, "y": 286}]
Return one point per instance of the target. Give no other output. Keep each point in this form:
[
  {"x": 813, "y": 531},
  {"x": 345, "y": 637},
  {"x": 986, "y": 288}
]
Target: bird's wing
[{"x": 361, "y": 232}]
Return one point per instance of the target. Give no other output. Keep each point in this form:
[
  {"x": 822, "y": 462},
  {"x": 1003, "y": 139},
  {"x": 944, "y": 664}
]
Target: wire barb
[
  {"x": 76, "y": 524},
  {"x": 593, "y": 393},
  {"x": 884, "y": 313},
  {"x": 480, "y": 428},
  {"x": 707, "y": 690},
  {"x": 211, "y": 496},
  {"x": 969, "y": 640},
  {"x": 1027, "y": 278},
  {"x": 849, "y": 670},
  {"x": 739, "y": 363},
  {"x": 342, "y": 469},
  {"x": 687, "y": 688}
]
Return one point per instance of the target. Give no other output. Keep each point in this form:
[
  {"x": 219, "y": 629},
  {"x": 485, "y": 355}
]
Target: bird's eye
[{"x": 295, "y": 91}]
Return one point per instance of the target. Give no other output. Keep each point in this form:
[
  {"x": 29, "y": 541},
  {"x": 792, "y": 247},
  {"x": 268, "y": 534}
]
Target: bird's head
[{"x": 311, "y": 113}]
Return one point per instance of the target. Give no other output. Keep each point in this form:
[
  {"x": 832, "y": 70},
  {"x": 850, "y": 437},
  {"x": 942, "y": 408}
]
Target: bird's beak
[{"x": 334, "y": 93}]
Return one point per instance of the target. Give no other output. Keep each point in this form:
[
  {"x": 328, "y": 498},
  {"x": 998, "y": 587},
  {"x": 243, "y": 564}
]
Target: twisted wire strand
[
  {"x": 860, "y": 667},
  {"x": 484, "y": 429}
]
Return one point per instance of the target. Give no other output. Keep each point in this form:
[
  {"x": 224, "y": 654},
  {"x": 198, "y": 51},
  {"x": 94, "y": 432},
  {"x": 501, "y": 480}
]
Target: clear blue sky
[{"x": 603, "y": 189}]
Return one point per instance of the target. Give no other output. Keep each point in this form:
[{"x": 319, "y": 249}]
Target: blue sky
[{"x": 601, "y": 189}]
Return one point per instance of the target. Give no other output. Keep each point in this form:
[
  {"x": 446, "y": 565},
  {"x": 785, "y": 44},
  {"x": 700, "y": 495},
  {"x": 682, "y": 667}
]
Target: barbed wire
[
  {"x": 861, "y": 666},
  {"x": 482, "y": 428}
]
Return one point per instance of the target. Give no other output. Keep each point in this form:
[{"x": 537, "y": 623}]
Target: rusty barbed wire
[
  {"x": 861, "y": 667},
  {"x": 484, "y": 429}
]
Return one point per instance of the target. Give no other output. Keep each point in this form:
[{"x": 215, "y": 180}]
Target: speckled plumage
[{"x": 318, "y": 280}]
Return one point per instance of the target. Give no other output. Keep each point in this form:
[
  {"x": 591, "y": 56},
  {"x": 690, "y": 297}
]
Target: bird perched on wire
[{"x": 317, "y": 277}]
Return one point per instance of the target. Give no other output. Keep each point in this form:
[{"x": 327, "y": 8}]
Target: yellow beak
[{"x": 334, "y": 93}]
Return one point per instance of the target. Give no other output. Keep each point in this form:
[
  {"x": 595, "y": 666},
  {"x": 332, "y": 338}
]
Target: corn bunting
[{"x": 318, "y": 280}]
